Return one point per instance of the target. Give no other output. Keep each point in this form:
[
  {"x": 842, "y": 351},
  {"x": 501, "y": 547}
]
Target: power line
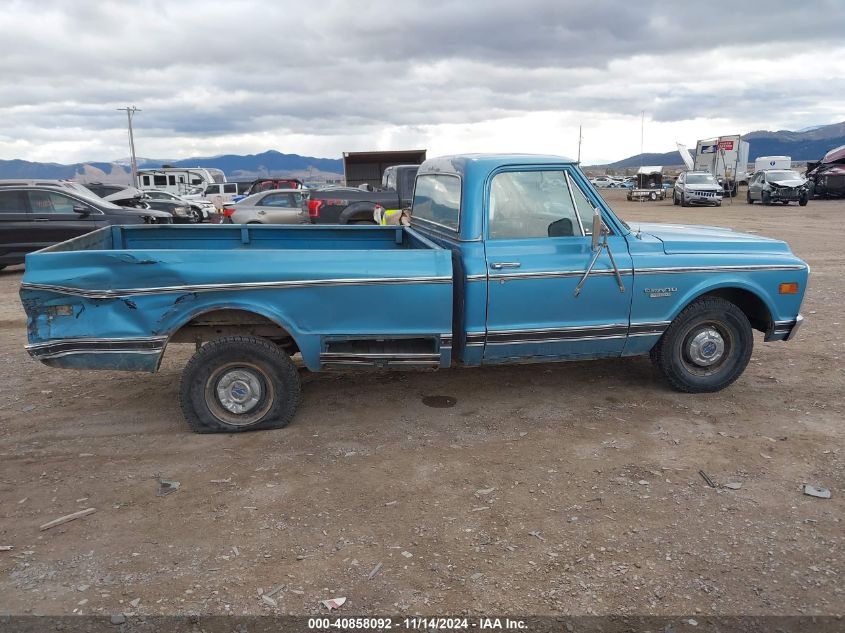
[{"x": 130, "y": 112}]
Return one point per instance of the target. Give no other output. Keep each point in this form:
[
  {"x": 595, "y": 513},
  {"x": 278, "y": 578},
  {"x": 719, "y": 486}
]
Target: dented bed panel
[{"x": 110, "y": 303}]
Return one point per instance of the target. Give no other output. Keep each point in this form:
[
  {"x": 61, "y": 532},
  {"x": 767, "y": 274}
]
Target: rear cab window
[{"x": 437, "y": 199}]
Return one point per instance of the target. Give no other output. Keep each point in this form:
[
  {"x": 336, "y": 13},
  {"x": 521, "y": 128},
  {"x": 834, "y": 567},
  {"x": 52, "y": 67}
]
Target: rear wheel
[
  {"x": 706, "y": 347},
  {"x": 239, "y": 383}
]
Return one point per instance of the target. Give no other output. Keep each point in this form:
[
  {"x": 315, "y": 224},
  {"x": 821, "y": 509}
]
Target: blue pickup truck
[{"x": 508, "y": 259}]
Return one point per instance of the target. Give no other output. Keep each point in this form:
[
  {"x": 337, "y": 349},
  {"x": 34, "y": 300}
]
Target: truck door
[{"x": 537, "y": 249}]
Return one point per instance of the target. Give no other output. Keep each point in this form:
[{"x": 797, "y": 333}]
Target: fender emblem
[{"x": 660, "y": 292}]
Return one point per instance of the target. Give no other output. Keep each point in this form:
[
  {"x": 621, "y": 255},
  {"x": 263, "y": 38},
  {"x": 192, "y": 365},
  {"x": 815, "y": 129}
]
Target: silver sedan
[{"x": 277, "y": 206}]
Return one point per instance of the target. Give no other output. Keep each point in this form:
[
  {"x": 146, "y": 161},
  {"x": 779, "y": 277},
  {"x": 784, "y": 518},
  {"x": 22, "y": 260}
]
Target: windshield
[
  {"x": 774, "y": 176},
  {"x": 700, "y": 179}
]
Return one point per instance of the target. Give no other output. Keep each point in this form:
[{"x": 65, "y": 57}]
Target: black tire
[
  {"x": 652, "y": 195},
  {"x": 802, "y": 202},
  {"x": 684, "y": 202},
  {"x": 195, "y": 215},
  {"x": 766, "y": 198},
  {"x": 718, "y": 204},
  {"x": 674, "y": 355},
  {"x": 748, "y": 197},
  {"x": 675, "y": 200},
  {"x": 251, "y": 365}
]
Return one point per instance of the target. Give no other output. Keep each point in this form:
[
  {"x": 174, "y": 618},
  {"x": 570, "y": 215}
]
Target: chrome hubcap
[
  {"x": 707, "y": 347},
  {"x": 239, "y": 391}
]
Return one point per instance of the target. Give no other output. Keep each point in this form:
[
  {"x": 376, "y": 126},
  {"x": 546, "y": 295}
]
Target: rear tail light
[
  {"x": 314, "y": 208},
  {"x": 228, "y": 211}
]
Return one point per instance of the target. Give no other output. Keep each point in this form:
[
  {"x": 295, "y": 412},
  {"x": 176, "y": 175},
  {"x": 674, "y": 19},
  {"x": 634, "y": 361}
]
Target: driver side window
[{"x": 536, "y": 204}]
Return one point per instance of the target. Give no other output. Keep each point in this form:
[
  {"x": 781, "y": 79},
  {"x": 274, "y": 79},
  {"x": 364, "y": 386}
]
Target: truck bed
[{"x": 115, "y": 297}]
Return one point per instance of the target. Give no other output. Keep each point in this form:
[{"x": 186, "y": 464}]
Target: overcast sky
[{"x": 319, "y": 78}]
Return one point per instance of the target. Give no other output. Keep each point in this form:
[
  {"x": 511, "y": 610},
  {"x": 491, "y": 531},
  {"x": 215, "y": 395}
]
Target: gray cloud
[{"x": 212, "y": 70}]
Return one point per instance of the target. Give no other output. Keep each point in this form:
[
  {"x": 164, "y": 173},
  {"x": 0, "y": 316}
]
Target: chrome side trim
[
  {"x": 718, "y": 269},
  {"x": 66, "y": 347},
  {"x": 274, "y": 285},
  {"x": 646, "y": 271},
  {"x": 384, "y": 356},
  {"x": 554, "y": 274},
  {"x": 482, "y": 277},
  {"x": 598, "y": 337}
]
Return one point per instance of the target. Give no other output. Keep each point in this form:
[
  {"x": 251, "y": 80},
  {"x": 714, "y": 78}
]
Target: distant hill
[
  {"x": 810, "y": 144},
  {"x": 270, "y": 163}
]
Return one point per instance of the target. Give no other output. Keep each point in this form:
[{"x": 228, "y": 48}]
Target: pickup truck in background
[
  {"x": 349, "y": 205},
  {"x": 508, "y": 259}
]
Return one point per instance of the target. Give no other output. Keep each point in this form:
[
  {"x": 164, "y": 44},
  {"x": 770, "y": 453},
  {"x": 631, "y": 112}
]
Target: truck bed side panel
[{"x": 121, "y": 307}]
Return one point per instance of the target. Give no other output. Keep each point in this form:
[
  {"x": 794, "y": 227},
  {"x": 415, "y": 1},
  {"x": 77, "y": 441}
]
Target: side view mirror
[
  {"x": 81, "y": 210},
  {"x": 598, "y": 230}
]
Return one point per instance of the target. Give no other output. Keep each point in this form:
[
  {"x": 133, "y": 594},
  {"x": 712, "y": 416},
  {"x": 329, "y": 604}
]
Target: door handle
[{"x": 500, "y": 265}]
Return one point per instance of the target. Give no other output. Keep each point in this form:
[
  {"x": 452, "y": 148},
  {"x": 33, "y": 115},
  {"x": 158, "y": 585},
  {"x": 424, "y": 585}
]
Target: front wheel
[
  {"x": 684, "y": 202},
  {"x": 802, "y": 202},
  {"x": 766, "y": 198},
  {"x": 195, "y": 216},
  {"x": 652, "y": 195},
  {"x": 748, "y": 197},
  {"x": 706, "y": 347},
  {"x": 239, "y": 383}
]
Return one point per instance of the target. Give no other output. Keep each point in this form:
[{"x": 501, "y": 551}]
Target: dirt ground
[{"x": 547, "y": 489}]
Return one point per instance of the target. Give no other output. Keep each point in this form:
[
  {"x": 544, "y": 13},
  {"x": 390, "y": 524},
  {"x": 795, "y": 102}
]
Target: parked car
[
  {"x": 126, "y": 196},
  {"x": 218, "y": 193},
  {"x": 778, "y": 185},
  {"x": 827, "y": 176},
  {"x": 356, "y": 205},
  {"x": 280, "y": 206},
  {"x": 605, "y": 182},
  {"x": 697, "y": 187},
  {"x": 201, "y": 210},
  {"x": 33, "y": 217},
  {"x": 509, "y": 259}
]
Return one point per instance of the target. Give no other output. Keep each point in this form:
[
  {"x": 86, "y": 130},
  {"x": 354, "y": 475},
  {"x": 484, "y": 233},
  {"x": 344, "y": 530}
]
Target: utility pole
[
  {"x": 129, "y": 114},
  {"x": 642, "y": 136},
  {"x": 579, "y": 143}
]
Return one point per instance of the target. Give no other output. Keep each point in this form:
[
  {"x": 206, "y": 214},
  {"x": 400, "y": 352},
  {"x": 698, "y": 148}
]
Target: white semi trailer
[{"x": 726, "y": 157}]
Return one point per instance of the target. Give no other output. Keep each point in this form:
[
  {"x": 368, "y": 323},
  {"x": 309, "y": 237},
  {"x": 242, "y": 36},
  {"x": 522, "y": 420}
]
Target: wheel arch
[
  {"x": 214, "y": 321},
  {"x": 750, "y": 300},
  {"x": 357, "y": 211}
]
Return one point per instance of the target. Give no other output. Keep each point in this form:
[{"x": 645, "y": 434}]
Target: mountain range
[
  {"x": 810, "y": 143},
  {"x": 236, "y": 167}
]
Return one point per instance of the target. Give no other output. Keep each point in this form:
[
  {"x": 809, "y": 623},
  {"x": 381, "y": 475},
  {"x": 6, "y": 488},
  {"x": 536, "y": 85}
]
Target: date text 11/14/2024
[{"x": 415, "y": 624}]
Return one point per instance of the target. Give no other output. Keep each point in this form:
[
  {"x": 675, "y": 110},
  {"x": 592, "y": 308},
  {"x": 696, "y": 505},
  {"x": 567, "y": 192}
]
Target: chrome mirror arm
[{"x": 603, "y": 245}]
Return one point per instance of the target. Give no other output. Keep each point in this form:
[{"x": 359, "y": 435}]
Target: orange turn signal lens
[{"x": 788, "y": 289}]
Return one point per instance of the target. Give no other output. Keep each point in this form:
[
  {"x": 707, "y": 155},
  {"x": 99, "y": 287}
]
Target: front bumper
[
  {"x": 786, "y": 194},
  {"x": 784, "y": 330},
  {"x": 703, "y": 197}
]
